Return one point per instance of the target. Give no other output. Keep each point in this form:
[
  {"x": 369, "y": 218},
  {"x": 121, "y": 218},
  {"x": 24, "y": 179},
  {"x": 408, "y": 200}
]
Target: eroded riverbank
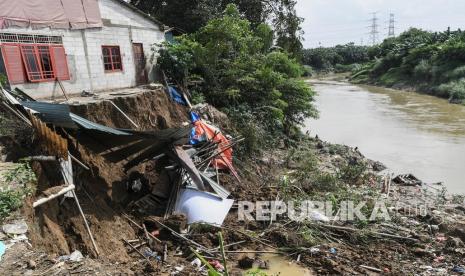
[{"x": 409, "y": 132}]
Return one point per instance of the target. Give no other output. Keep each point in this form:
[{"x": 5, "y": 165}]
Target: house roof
[{"x": 140, "y": 12}]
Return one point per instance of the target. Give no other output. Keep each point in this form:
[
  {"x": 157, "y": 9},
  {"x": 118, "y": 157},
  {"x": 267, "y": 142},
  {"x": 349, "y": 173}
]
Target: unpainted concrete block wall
[{"x": 122, "y": 27}]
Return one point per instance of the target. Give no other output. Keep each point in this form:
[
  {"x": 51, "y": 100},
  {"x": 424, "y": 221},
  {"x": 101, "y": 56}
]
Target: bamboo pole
[{"x": 47, "y": 199}]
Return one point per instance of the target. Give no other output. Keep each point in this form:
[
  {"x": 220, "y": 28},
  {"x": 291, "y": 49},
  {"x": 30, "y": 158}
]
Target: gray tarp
[{"x": 64, "y": 14}]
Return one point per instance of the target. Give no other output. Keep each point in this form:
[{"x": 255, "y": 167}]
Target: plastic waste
[
  {"x": 2, "y": 250},
  {"x": 458, "y": 269},
  {"x": 17, "y": 227},
  {"x": 149, "y": 253},
  {"x": 314, "y": 250},
  {"x": 196, "y": 262},
  {"x": 314, "y": 215},
  {"x": 76, "y": 256}
]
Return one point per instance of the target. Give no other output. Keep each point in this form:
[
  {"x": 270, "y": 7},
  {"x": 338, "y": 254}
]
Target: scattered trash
[
  {"x": 407, "y": 180},
  {"x": 264, "y": 265},
  {"x": 85, "y": 93},
  {"x": 2, "y": 249},
  {"x": 441, "y": 238},
  {"x": 203, "y": 207},
  {"x": 458, "y": 269},
  {"x": 149, "y": 253},
  {"x": 314, "y": 250},
  {"x": 216, "y": 264},
  {"x": 314, "y": 215},
  {"x": 176, "y": 96},
  {"x": 179, "y": 268},
  {"x": 76, "y": 256},
  {"x": 246, "y": 262},
  {"x": 17, "y": 227},
  {"x": 19, "y": 238},
  {"x": 197, "y": 263},
  {"x": 386, "y": 270},
  {"x": 439, "y": 259},
  {"x": 31, "y": 264},
  {"x": 374, "y": 269},
  {"x": 333, "y": 250}
]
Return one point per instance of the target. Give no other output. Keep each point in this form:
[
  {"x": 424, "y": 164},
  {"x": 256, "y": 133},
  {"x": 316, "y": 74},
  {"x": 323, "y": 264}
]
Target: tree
[
  {"x": 240, "y": 71},
  {"x": 191, "y": 15}
]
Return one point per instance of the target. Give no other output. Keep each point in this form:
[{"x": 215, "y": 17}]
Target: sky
[{"x": 332, "y": 22}]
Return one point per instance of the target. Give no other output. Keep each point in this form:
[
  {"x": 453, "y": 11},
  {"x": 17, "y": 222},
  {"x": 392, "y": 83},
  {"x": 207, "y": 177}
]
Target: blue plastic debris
[
  {"x": 2, "y": 249},
  {"x": 176, "y": 96},
  {"x": 458, "y": 269},
  {"x": 333, "y": 250}
]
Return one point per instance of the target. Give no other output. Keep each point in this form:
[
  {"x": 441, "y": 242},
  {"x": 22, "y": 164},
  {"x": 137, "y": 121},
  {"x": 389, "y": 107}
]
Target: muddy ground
[{"x": 412, "y": 244}]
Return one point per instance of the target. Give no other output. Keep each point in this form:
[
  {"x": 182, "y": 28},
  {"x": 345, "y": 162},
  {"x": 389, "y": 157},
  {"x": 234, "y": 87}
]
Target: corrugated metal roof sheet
[
  {"x": 56, "y": 114},
  {"x": 91, "y": 125}
]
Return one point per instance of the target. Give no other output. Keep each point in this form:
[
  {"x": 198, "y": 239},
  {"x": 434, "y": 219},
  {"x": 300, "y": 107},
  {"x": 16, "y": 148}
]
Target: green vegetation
[
  {"x": 3, "y": 80},
  {"x": 340, "y": 58},
  {"x": 430, "y": 62},
  {"x": 191, "y": 15},
  {"x": 257, "y": 86},
  {"x": 16, "y": 185}
]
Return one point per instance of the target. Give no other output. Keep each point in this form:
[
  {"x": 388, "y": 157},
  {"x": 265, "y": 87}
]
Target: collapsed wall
[{"x": 102, "y": 190}]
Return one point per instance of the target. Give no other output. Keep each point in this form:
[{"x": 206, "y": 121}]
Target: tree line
[{"x": 430, "y": 62}]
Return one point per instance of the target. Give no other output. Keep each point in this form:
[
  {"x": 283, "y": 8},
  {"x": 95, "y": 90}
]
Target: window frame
[
  {"x": 111, "y": 56},
  {"x": 38, "y": 52},
  {"x": 39, "y": 62}
]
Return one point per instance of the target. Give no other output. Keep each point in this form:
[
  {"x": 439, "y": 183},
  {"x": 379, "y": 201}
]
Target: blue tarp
[
  {"x": 193, "y": 137},
  {"x": 176, "y": 96}
]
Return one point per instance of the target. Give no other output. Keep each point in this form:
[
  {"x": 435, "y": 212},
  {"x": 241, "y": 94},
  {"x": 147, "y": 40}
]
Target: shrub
[
  {"x": 423, "y": 70},
  {"x": 454, "y": 90}
]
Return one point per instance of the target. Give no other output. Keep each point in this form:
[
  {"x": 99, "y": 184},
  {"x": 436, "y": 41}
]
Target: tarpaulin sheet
[
  {"x": 176, "y": 96},
  {"x": 202, "y": 132},
  {"x": 75, "y": 14}
]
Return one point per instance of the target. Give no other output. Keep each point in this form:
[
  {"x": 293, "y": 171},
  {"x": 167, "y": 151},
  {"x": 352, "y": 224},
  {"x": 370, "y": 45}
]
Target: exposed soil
[{"x": 57, "y": 228}]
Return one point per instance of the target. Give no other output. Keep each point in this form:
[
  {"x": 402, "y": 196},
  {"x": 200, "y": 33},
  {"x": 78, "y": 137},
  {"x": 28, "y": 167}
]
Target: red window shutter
[
  {"x": 13, "y": 63},
  {"x": 60, "y": 62}
]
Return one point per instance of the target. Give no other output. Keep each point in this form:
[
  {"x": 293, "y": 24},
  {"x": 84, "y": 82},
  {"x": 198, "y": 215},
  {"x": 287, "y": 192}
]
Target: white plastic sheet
[{"x": 202, "y": 207}]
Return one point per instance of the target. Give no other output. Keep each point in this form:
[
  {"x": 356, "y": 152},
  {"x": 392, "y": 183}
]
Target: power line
[
  {"x": 374, "y": 28},
  {"x": 391, "y": 32}
]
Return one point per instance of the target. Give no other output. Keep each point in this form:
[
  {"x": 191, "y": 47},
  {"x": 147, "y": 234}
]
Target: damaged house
[
  {"x": 145, "y": 151},
  {"x": 88, "y": 45}
]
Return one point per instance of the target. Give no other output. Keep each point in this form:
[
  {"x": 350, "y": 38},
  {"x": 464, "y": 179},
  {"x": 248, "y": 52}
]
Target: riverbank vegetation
[
  {"x": 341, "y": 58},
  {"x": 429, "y": 62}
]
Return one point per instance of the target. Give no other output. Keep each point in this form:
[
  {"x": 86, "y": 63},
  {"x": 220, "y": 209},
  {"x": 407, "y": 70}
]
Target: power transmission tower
[
  {"x": 374, "y": 28},
  {"x": 391, "y": 32}
]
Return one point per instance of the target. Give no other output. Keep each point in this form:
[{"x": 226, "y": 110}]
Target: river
[{"x": 407, "y": 131}]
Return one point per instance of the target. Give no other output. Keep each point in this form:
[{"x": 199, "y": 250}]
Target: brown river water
[{"x": 407, "y": 131}]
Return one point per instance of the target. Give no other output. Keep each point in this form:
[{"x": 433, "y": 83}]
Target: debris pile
[
  {"x": 189, "y": 180},
  {"x": 147, "y": 190}
]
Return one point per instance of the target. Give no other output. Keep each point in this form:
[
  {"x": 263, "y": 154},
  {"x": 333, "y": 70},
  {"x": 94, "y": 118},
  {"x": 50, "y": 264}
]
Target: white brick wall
[{"x": 137, "y": 28}]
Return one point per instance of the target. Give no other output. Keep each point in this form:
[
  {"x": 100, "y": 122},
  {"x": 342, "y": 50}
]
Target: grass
[{"x": 16, "y": 185}]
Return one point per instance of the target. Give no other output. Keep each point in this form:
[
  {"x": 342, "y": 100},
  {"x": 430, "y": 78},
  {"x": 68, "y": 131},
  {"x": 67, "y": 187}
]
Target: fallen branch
[
  {"x": 137, "y": 250},
  {"x": 370, "y": 232},
  {"x": 371, "y": 268},
  {"x": 47, "y": 199},
  {"x": 140, "y": 227}
]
